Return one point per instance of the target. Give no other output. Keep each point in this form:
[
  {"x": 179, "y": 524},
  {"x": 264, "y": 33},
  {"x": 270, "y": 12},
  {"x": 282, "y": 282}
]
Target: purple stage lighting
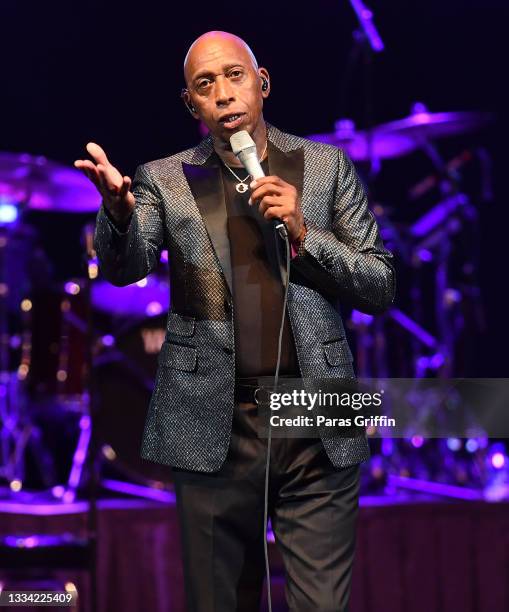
[
  {"x": 453, "y": 444},
  {"x": 497, "y": 456},
  {"x": 8, "y": 213},
  {"x": 417, "y": 441},
  {"x": 472, "y": 445},
  {"x": 498, "y": 460},
  {"x": 108, "y": 340},
  {"x": 154, "y": 308}
]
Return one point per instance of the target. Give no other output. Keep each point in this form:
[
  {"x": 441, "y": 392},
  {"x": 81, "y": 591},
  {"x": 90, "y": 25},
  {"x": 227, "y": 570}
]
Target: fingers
[
  {"x": 97, "y": 152},
  {"x": 89, "y": 170},
  {"x": 267, "y": 179},
  {"x": 273, "y": 204},
  {"x": 274, "y": 212},
  {"x": 106, "y": 178},
  {"x": 126, "y": 186},
  {"x": 111, "y": 180},
  {"x": 85, "y": 164},
  {"x": 264, "y": 190}
]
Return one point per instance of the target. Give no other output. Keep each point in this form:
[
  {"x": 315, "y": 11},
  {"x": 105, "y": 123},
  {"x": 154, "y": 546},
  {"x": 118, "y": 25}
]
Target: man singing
[{"x": 223, "y": 326}]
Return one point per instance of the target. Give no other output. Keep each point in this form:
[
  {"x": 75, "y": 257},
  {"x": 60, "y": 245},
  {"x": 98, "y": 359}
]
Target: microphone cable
[{"x": 283, "y": 232}]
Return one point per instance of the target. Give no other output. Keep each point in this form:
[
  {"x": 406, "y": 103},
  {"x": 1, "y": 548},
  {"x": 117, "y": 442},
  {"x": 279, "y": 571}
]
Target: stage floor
[{"x": 412, "y": 555}]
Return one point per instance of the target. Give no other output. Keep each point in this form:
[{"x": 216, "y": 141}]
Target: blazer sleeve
[
  {"x": 127, "y": 255},
  {"x": 349, "y": 261}
]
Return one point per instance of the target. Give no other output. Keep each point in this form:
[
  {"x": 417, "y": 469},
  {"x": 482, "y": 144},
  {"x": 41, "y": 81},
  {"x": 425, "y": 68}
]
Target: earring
[{"x": 265, "y": 84}]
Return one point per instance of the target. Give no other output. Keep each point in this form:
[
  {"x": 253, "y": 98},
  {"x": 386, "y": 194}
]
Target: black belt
[{"x": 248, "y": 389}]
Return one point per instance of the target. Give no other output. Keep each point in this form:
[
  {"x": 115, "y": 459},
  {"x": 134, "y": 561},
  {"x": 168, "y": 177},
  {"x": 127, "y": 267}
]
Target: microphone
[{"x": 244, "y": 148}]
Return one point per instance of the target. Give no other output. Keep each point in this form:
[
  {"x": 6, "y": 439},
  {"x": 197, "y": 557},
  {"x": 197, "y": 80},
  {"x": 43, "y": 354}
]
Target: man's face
[{"x": 224, "y": 86}]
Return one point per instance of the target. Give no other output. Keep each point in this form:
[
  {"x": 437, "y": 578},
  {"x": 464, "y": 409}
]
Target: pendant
[{"x": 241, "y": 187}]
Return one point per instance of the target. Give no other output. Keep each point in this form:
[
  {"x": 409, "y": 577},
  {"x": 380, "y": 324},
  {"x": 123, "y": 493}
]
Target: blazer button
[{"x": 227, "y": 350}]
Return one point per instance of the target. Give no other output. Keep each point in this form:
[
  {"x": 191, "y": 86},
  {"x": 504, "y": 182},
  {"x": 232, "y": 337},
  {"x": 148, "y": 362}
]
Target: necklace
[{"x": 241, "y": 186}]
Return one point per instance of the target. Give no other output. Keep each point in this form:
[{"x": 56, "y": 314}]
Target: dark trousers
[{"x": 313, "y": 509}]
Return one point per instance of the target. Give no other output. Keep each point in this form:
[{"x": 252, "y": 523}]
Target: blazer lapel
[
  {"x": 207, "y": 188},
  {"x": 287, "y": 165},
  {"x": 290, "y": 167},
  {"x": 206, "y": 185}
]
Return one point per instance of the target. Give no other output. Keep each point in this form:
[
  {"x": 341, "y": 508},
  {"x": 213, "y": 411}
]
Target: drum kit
[
  {"x": 436, "y": 252},
  {"x": 59, "y": 340},
  {"x": 434, "y": 329}
]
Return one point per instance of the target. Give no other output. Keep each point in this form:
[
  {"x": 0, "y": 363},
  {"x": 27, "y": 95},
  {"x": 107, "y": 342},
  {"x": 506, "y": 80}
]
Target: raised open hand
[{"x": 113, "y": 187}]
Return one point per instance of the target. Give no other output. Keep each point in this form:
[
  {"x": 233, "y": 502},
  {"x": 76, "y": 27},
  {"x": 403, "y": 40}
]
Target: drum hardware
[
  {"x": 124, "y": 364},
  {"x": 452, "y": 168},
  {"x": 367, "y": 25},
  {"x": 439, "y": 217},
  {"x": 423, "y": 126},
  {"x": 424, "y": 244},
  {"x": 19, "y": 434},
  {"x": 404, "y": 136},
  {"x": 41, "y": 331},
  {"x": 392, "y": 235},
  {"x": 125, "y": 368},
  {"x": 55, "y": 364},
  {"x": 37, "y": 183},
  {"x": 366, "y": 145}
]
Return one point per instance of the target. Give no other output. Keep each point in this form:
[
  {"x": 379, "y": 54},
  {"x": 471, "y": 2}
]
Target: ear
[
  {"x": 264, "y": 82},
  {"x": 186, "y": 99}
]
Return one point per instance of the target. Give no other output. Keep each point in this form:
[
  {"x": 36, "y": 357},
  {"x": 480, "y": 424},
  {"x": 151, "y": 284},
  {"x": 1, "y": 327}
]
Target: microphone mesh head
[{"x": 240, "y": 141}]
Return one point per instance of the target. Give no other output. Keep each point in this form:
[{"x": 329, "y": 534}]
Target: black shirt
[{"x": 257, "y": 285}]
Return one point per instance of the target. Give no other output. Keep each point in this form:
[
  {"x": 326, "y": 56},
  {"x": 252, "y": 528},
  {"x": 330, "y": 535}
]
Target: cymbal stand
[
  {"x": 366, "y": 43},
  {"x": 18, "y": 431}
]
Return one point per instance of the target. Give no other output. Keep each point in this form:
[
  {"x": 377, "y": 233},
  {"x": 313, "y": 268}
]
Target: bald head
[
  {"x": 226, "y": 88},
  {"x": 214, "y": 42}
]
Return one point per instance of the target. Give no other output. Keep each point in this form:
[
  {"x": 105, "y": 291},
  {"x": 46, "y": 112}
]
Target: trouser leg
[
  {"x": 221, "y": 525},
  {"x": 314, "y": 521},
  {"x": 313, "y": 508},
  {"x": 223, "y": 563}
]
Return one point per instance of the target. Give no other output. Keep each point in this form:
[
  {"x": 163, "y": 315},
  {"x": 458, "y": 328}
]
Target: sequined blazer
[{"x": 180, "y": 206}]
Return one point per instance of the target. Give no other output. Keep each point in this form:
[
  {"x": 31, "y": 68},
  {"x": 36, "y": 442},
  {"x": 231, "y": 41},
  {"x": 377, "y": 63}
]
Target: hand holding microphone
[{"x": 276, "y": 199}]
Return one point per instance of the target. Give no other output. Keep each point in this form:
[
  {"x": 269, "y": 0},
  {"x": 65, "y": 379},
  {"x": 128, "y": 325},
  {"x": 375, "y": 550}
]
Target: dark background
[{"x": 112, "y": 73}]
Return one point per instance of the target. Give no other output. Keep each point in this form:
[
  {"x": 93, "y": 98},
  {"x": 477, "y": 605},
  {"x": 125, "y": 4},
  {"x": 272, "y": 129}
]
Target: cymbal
[
  {"x": 366, "y": 145},
  {"x": 403, "y": 136},
  {"x": 41, "y": 184},
  {"x": 422, "y": 125}
]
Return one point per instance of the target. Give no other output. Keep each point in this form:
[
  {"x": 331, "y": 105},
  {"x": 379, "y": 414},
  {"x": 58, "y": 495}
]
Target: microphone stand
[
  {"x": 367, "y": 42},
  {"x": 365, "y": 17}
]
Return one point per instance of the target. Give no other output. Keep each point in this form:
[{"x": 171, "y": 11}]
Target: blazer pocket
[
  {"x": 178, "y": 357},
  {"x": 337, "y": 352},
  {"x": 180, "y": 325}
]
